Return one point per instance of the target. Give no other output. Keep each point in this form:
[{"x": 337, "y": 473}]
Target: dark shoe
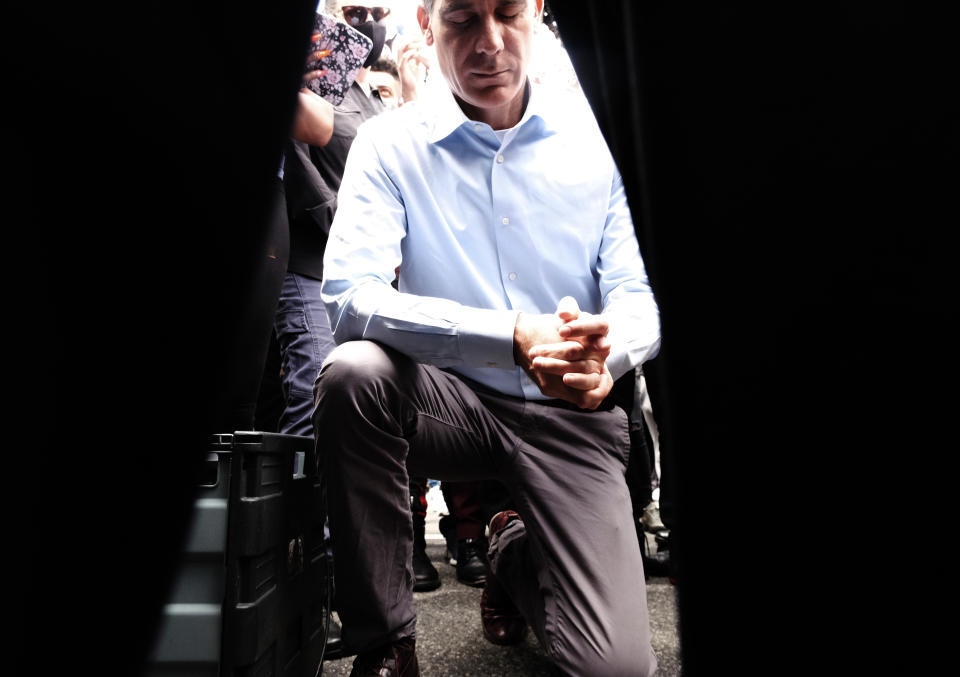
[
  {"x": 501, "y": 620},
  {"x": 425, "y": 575},
  {"x": 471, "y": 563},
  {"x": 655, "y": 551},
  {"x": 392, "y": 660}
]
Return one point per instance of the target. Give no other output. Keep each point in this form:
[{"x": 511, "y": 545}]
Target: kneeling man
[{"x": 521, "y": 297}]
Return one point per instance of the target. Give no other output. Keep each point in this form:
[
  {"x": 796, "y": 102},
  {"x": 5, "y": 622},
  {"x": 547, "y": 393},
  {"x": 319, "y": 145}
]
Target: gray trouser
[{"x": 573, "y": 565}]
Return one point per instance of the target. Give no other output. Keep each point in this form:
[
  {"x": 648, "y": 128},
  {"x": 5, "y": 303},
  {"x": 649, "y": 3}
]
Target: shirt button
[
  {"x": 512, "y": 276},
  {"x": 499, "y": 159},
  {"x": 505, "y": 221},
  {"x": 478, "y": 126}
]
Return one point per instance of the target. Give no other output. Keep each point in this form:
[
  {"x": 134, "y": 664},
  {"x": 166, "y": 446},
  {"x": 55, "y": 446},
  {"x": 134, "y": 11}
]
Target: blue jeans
[{"x": 303, "y": 332}]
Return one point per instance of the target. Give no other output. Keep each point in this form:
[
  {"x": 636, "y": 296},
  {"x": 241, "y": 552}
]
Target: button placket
[{"x": 501, "y": 187}]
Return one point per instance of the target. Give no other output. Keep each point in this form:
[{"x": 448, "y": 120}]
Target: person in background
[
  {"x": 313, "y": 124},
  {"x": 385, "y": 77},
  {"x": 315, "y": 156},
  {"x": 471, "y": 505}
]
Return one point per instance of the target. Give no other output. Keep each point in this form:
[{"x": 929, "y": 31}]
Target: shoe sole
[{"x": 474, "y": 582}]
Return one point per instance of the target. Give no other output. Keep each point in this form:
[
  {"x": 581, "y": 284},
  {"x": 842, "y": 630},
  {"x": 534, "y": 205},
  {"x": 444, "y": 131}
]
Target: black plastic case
[{"x": 251, "y": 596}]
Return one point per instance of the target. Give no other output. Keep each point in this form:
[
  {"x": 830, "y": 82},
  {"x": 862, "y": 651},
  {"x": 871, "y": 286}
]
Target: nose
[{"x": 490, "y": 40}]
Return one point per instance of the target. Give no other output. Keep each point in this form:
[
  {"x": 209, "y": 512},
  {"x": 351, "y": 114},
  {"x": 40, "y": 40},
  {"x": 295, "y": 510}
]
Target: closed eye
[
  {"x": 511, "y": 10},
  {"x": 458, "y": 18}
]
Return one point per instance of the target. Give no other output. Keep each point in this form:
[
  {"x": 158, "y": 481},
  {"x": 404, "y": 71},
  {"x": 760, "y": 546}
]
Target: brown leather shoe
[
  {"x": 391, "y": 660},
  {"x": 501, "y": 620}
]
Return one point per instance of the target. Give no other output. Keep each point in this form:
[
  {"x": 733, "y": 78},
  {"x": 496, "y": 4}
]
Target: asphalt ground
[{"x": 451, "y": 643}]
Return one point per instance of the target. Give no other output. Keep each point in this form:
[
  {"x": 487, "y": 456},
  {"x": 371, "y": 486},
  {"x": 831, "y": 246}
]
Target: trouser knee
[
  {"x": 353, "y": 365},
  {"x": 358, "y": 396}
]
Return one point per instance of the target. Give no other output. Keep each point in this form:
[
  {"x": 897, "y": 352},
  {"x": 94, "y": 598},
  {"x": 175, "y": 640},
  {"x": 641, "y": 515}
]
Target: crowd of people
[{"x": 455, "y": 292}]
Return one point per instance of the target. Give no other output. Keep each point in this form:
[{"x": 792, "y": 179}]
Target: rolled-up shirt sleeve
[
  {"x": 362, "y": 254},
  {"x": 627, "y": 299}
]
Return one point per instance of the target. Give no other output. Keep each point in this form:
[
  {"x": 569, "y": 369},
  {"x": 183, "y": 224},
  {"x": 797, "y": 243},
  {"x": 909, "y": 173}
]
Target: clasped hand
[{"x": 565, "y": 353}]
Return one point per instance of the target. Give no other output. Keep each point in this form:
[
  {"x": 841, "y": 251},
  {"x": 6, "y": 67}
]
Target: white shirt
[{"x": 482, "y": 229}]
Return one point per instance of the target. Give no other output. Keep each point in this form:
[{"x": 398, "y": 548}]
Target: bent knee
[
  {"x": 352, "y": 364},
  {"x": 358, "y": 374}
]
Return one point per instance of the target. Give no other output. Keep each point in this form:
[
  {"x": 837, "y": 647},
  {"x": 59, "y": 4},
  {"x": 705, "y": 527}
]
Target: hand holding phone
[
  {"x": 313, "y": 61},
  {"x": 337, "y": 53}
]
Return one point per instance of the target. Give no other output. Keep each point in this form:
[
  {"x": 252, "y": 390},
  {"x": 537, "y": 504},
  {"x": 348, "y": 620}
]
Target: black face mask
[{"x": 377, "y": 33}]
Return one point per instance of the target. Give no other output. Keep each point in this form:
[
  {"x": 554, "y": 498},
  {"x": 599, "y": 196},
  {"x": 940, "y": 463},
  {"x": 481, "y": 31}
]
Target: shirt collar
[{"x": 445, "y": 115}]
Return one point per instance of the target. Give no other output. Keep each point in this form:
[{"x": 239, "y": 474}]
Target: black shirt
[{"x": 312, "y": 176}]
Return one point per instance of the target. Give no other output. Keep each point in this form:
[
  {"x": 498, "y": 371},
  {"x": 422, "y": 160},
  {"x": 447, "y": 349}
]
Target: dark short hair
[{"x": 385, "y": 65}]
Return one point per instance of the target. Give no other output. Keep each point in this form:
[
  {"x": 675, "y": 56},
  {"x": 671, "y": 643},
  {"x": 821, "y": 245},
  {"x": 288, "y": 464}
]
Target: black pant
[{"x": 572, "y": 566}]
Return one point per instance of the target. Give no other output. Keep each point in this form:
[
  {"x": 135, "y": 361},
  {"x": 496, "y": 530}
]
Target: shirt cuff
[
  {"x": 618, "y": 362},
  {"x": 486, "y": 338}
]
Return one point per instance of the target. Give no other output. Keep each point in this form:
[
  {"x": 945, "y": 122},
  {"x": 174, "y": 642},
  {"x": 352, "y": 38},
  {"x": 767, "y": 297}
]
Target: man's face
[
  {"x": 387, "y": 85},
  {"x": 483, "y": 49}
]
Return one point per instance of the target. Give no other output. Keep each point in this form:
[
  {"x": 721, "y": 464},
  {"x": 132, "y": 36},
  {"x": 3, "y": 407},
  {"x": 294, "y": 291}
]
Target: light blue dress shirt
[{"x": 482, "y": 229}]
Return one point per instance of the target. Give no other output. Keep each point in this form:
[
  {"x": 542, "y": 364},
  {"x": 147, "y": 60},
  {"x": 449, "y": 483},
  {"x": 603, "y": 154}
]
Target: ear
[{"x": 424, "y": 20}]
